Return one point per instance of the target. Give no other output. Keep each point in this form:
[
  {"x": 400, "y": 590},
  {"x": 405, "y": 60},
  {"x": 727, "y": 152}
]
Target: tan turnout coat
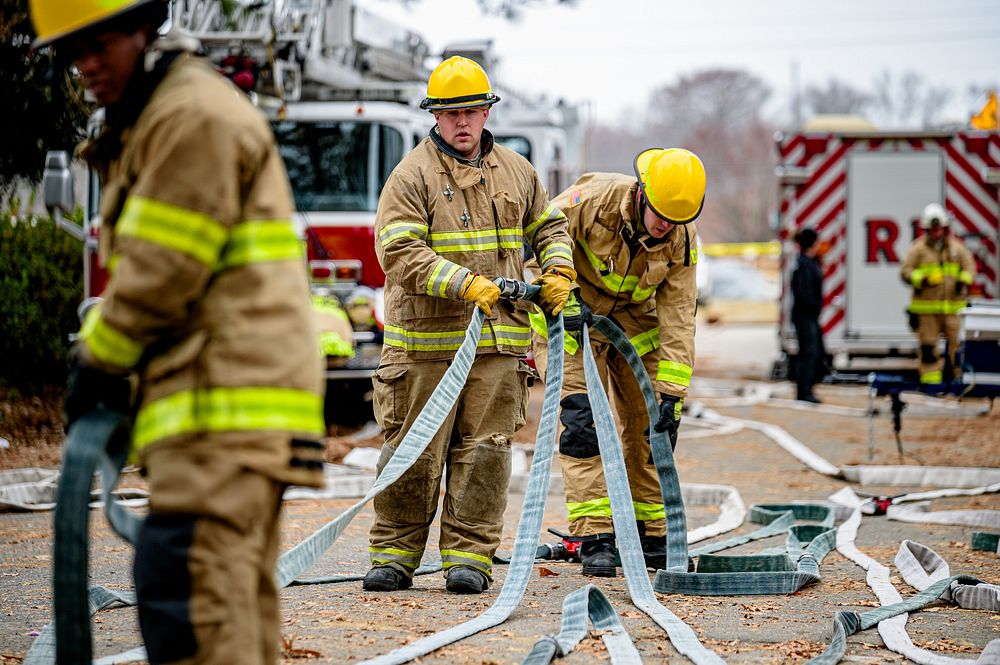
[
  {"x": 640, "y": 282},
  {"x": 208, "y": 299},
  {"x": 440, "y": 219}
]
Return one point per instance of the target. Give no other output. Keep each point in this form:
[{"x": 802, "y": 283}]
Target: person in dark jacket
[{"x": 807, "y": 299}]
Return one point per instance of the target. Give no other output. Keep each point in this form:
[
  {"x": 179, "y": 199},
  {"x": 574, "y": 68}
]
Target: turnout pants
[
  {"x": 587, "y": 502},
  {"x": 930, "y": 328},
  {"x": 205, "y": 559},
  {"x": 473, "y": 445}
]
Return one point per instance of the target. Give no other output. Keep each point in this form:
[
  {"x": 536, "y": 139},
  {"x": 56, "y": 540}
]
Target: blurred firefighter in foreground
[
  {"x": 450, "y": 219},
  {"x": 807, "y": 301},
  {"x": 636, "y": 253},
  {"x": 207, "y": 312},
  {"x": 940, "y": 269}
]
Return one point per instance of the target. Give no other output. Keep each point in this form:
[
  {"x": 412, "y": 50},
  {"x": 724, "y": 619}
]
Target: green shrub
[{"x": 41, "y": 285}]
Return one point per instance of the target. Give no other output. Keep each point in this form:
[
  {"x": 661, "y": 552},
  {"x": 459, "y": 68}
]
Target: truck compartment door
[{"x": 885, "y": 194}]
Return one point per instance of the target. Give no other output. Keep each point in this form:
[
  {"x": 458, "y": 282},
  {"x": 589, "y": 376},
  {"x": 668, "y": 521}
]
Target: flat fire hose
[
  {"x": 98, "y": 440},
  {"x": 528, "y": 529},
  {"x": 304, "y": 555}
]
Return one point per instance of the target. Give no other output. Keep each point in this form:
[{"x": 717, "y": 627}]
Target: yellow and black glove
[
  {"x": 670, "y": 417},
  {"x": 556, "y": 283},
  {"x": 481, "y": 292},
  {"x": 576, "y": 313}
]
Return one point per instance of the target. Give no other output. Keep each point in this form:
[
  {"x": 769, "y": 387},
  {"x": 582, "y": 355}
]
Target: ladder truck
[{"x": 341, "y": 87}]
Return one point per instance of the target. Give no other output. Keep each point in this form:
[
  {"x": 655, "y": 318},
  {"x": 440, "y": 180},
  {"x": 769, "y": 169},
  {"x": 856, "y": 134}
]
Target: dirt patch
[{"x": 33, "y": 429}]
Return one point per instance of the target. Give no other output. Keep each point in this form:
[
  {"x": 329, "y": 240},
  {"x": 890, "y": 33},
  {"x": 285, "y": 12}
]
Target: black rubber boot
[
  {"x": 654, "y": 551},
  {"x": 598, "y": 556},
  {"x": 385, "y": 578},
  {"x": 462, "y": 579}
]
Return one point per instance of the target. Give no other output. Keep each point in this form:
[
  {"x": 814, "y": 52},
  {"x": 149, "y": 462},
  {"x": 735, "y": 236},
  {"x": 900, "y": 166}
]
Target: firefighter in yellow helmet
[
  {"x": 634, "y": 245},
  {"x": 452, "y": 217},
  {"x": 207, "y": 311},
  {"x": 940, "y": 270}
]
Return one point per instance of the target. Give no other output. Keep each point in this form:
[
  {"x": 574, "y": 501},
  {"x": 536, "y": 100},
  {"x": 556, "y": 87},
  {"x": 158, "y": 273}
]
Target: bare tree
[
  {"x": 718, "y": 114},
  {"x": 835, "y": 96},
  {"x": 908, "y": 100}
]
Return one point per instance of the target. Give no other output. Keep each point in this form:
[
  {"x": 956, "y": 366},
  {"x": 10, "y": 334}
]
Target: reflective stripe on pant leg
[
  {"x": 644, "y": 483},
  {"x": 931, "y": 363}
]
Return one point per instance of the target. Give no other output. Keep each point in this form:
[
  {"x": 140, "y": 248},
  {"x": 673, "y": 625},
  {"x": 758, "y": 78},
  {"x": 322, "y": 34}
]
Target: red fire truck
[{"x": 862, "y": 191}]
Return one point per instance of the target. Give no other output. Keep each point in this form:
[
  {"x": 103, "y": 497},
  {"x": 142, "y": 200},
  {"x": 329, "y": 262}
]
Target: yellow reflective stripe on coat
[
  {"x": 474, "y": 241},
  {"x": 329, "y": 305},
  {"x": 647, "y": 512},
  {"x": 441, "y": 276},
  {"x": 646, "y": 341},
  {"x": 381, "y": 556},
  {"x": 179, "y": 229},
  {"x": 931, "y": 377},
  {"x": 537, "y": 321},
  {"x": 450, "y": 340},
  {"x": 627, "y": 285},
  {"x": 936, "y": 306},
  {"x": 108, "y": 344},
  {"x": 965, "y": 277},
  {"x": 550, "y": 213},
  {"x": 332, "y": 344},
  {"x": 917, "y": 277},
  {"x": 229, "y": 410},
  {"x": 593, "y": 508},
  {"x": 392, "y": 232},
  {"x": 260, "y": 241},
  {"x": 451, "y": 558},
  {"x": 556, "y": 253},
  {"x": 674, "y": 372}
]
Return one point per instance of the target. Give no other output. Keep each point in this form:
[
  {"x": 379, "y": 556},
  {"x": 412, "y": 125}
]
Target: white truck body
[{"x": 863, "y": 192}]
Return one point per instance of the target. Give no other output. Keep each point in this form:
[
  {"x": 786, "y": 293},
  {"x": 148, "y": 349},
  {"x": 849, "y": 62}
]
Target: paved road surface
[{"x": 342, "y": 623}]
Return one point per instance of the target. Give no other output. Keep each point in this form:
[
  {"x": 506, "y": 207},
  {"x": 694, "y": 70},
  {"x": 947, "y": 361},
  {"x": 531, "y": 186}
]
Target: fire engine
[
  {"x": 341, "y": 86},
  {"x": 862, "y": 191}
]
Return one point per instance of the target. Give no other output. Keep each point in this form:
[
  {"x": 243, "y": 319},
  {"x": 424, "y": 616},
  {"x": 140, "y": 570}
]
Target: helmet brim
[
  {"x": 95, "y": 27},
  {"x": 431, "y": 104}
]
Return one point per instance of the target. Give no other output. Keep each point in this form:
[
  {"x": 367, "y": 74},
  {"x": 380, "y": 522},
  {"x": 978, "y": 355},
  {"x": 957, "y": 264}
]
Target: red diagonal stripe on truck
[
  {"x": 970, "y": 225},
  {"x": 837, "y": 183},
  {"x": 834, "y": 292},
  {"x": 963, "y": 163},
  {"x": 956, "y": 185},
  {"x": 787, "y": 148},
  {"x": 830, "y": 216},
  {"x": 837, "y": 317}
]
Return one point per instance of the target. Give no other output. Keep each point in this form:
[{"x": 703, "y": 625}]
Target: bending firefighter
[
  {"x": 940, "y": 269},
  {"x": 207, "y": 313},
  {"x": 634, "y": 247},
  {"x": 453, "y": 216}
]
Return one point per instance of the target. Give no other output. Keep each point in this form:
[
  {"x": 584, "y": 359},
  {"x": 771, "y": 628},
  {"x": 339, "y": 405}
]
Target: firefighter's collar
[{"x": 485, "y": 148}]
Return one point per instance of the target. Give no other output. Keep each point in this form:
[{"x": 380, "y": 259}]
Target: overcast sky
[{"x": 614, "y": 52}]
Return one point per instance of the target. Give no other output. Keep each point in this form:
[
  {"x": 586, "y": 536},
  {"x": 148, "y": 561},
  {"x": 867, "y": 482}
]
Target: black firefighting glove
[
  {"x": 961, "y": 288},
  {"x": 89, "y": 388},
  {"x": 576, "y": 313},
  {"x": 670, "y": 417}
]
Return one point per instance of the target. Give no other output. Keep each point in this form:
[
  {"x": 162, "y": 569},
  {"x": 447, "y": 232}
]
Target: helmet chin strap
[{"x": 641, "y": 204}]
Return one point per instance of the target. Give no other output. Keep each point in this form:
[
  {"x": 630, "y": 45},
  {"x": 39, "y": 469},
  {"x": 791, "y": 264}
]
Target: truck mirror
[{"x": 57, "y": 182}]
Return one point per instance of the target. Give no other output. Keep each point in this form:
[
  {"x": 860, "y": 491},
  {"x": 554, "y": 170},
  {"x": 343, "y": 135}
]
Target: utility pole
[{"x": 796, "y": 95}]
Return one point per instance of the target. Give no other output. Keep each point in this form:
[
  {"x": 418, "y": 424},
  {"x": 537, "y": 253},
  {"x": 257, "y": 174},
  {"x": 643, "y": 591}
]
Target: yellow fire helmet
[
  {"x": 458, "y": 83},
  {"x": 673, "y": 183},
  {"x": 57, "y": 19}
]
